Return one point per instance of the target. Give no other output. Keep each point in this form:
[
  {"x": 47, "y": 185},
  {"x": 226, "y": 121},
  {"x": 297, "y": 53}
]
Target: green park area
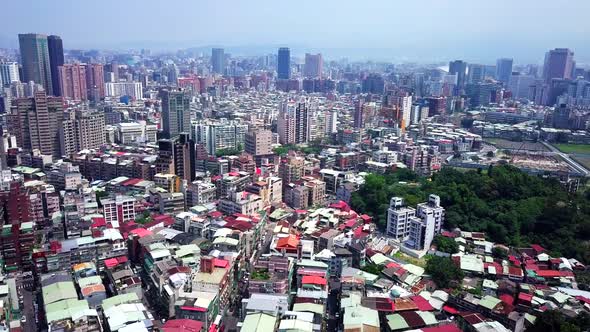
[{"x": 573, "y": 148}]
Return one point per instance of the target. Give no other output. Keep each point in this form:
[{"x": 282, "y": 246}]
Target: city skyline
[{"x": 425, "y": 31}]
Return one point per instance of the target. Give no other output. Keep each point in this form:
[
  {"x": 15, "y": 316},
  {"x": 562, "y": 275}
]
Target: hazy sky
[{"x": 419, "y": 30}]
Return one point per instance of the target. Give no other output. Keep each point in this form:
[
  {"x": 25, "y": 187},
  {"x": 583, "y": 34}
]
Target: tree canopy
[
  {"x": 446, "y": 244},
  {"x": 443, "y": 271},
  {"x": 510, "y": 206}
]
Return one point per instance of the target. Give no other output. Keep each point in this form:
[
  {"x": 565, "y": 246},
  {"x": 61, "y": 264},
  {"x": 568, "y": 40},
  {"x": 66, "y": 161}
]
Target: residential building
[
  {"x": 36, "y": 122},
  {"x": 118, "y": 210},
  {"x": 133, "y": 90},
  {"x": 8, "y": 73}
]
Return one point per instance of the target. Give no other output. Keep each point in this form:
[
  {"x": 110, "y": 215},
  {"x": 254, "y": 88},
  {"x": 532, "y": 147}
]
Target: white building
[
  {"x": 398, "y": 219},
  {"x": 432, "y": 208},
  {"x": 415, "y": 227},
  {"x": 119, "y": 210},
  {"x": 136, "y": 132},
  {"x": 8, "y": 73},
  {"x": 119, "y": 89}
]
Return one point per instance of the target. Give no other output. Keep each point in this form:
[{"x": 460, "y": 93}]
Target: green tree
[
  {"x": 499, "y": 252},
  {"x": 446, "y": 244},
  {"x": 443, "y": 271}
]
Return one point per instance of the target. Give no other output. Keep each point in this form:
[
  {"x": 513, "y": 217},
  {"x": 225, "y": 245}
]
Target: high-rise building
[
  {"x": 359, "y": 120},
  {"x": 95, "y": 81},
  {"x": 82, "y": 130},
  {"x": 34, "y": 54},
  {"x": 284, "y": 63},
  {"x": 476, "y": 73},
  {"x": 176, "y": 113},
  {"x": 559, "y": 63},
  {"x": 56, "y": 59},
  {"x": 8, "y": 73},
  {"x": 520, "y": 85},
  {"x": 72, "y": 81},
  {"x": 458, "y": 67},
  {"x": 223, "y": 135},
  {"x": 313, "y": 65},
  {"x": 292, "y": 122},
  {"x": 36, "y": 122},
  {"x": 218, "y": 60},
  {"x": 504, "y": 70}
]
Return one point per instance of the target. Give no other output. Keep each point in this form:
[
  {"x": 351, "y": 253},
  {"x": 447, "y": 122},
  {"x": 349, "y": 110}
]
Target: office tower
[
  {"x": 476, "y": 73},
  {"x": 8, "y": 73},
  {"x": 284, "y": 63},
  {"x": 34, "y": 54},
  {"x": 56, "y": 59},
  {"x": 520, "y": 85},
  {"x": 258, "y": 142},
  {"x": 218, "y": 60},
  {"x": 374, "y": 83},
  {"x": 36, "y": 122},
  {"x": 82, "y": 130},
  {"x": 559, "y": 63},
  {"x": 95, "y": 81},
  {"x": 458, "y": 67},
  {"x": 359, "y": 120},
  {"x": 503, "y": 70},
  {"x": 313, "y": 65},
  {"x": 176, "y": 113},
  {"x": 72, "y": 81}
]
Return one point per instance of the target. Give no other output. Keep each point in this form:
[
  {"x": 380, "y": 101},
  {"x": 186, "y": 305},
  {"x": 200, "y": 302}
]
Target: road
[{"x": 28, "y": 310}]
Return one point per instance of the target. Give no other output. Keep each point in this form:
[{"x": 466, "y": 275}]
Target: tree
[
  {"x": 553, "y": 320},
  {"x": 281, "y": 150},
  {"x": 443, "y": 271},
  {"x": 490, "y": 154},
  {"x": 446, "y": 244},
  {"x": 499, "y": 252},
  {"x": 510, "y": 206},
  {"x": 373, "y": 269}
]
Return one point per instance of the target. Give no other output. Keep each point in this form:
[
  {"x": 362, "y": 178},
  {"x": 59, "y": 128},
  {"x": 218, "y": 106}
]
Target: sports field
[{"x": 574, "y": 148}]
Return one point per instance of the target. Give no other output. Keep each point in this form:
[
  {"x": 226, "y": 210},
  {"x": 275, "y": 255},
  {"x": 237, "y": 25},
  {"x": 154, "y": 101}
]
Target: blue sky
[{"x": 419, "y": 30}]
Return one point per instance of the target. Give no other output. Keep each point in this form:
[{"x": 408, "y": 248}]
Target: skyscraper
[
  {"x": 218, "y": 60},
  {"x": 458, "y": 67},
  {"x": 56, "y": 59},
  {"x": 34, "y": 54},
  {"x": 8, "y": 73},
  {"x": 176, "y": 113},
  {"x": 284, "y": 63},
  {"x": 313, "y": 65},
  {"x": 476, "y": 73},
  {"x": 72, "y": 81},
  {"x": 504, "y": 70},
  {"x": 559, "y": 63}
]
